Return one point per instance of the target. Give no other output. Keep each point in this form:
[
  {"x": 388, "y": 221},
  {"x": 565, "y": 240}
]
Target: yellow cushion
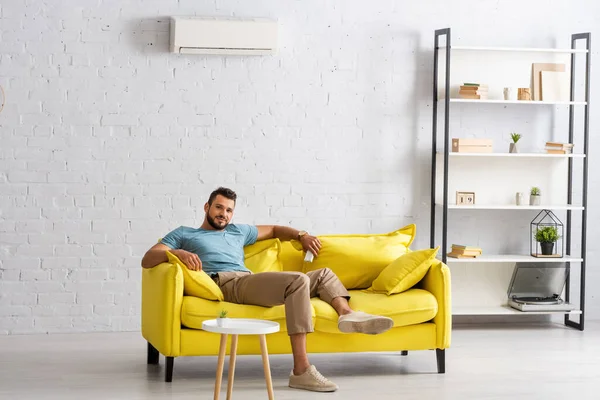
[
  {"x": 358, "y": 259},
  {"x": 404, "y": 272},
  {"x": 195, "y": 310},
  {"x": 263, "y": 256},
  {"x": 197, "y": 283},
  {"x": 411, "y": 307}
]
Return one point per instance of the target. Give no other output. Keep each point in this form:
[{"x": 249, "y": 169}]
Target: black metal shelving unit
[{"x": 447, "y": 48}]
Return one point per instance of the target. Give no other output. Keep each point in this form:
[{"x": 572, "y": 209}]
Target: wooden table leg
[
  {"x": 232, "y": 353},
  {"x": 266, "y": 366},
  {"x": 220, "y": 362}
]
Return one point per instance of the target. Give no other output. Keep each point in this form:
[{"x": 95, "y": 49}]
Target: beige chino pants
[{"x": 294, "y": 289}]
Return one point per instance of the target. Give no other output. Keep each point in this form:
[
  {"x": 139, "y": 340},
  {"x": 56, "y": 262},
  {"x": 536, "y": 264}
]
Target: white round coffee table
[{"x": 235, "y": 327}]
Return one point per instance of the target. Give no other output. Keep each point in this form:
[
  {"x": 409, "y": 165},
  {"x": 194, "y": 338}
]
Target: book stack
[
  {"x": 474, "y": 91},
  {"x": 559, "y": 148},
  {"x": 460, "y": 251}
]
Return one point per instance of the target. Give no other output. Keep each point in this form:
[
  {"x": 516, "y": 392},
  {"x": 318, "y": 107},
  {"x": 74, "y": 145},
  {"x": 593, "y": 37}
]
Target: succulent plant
[{"x": 547, "y": 234}]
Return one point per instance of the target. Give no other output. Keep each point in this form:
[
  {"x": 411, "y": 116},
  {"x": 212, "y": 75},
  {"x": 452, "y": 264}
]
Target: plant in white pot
[
  {"x": 535, "y": 196},
  {"x": 547, "y": 236},
  {"x": 513, "y": 146},
  {"x": 221, "y": 319}
]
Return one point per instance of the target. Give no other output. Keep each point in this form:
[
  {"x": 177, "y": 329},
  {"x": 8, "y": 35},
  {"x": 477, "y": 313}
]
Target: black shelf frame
[{"x": 575, "y": 39}]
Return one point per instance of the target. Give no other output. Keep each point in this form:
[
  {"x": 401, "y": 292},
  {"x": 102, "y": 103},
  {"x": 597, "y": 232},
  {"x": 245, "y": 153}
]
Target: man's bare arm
[
  {"x": 282, "y": 233},
  {"x": 158, "y": 254},
  {"x": 286, "y": 233}
]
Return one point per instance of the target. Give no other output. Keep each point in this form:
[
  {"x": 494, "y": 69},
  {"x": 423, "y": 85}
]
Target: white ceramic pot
[{"x": 535, "y": 200}]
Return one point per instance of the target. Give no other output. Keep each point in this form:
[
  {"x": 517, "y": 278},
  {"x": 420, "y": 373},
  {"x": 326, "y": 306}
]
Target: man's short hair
[{"x": 225, "y": 192}]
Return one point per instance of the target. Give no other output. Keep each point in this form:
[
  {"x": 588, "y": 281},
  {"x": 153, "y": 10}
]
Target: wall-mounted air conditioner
[{"x": 209, "y": 35}]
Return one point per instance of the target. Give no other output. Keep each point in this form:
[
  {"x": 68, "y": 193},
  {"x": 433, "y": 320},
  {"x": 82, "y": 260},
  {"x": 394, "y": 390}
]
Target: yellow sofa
[{"x": 172, "y": 321}]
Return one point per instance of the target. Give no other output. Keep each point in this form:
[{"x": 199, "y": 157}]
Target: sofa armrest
[
  {"x": 437, "y": 282},
  {"x": 162, "y": 296}
]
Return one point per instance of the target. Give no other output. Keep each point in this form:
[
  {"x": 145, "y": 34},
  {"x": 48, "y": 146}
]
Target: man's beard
[{"x": 214, "y": 223}]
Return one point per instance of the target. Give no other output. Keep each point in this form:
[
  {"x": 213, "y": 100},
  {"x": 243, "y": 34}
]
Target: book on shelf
[
  {"x": 460, "y": 255},
  {"x": 461, "y": 251},
  {"x": 474, "y": 91},
  {"x": 463, "y": 247},
  {"x": 552, "y": 151},
  {"x": 474, "y": 84},
  {"x": 559, "y": 146},
  {"x": 473, "y": 88},
  {"x": 467, "y": 252},
  {"x": 474, "y": 96}
]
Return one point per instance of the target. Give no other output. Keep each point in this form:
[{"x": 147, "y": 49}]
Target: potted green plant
[
  {"x": 547, "y": 236},
  {"x": 535, "y": 196},
  {"x": 221, "y": 318},
  {"x": 515, "y": 138}
]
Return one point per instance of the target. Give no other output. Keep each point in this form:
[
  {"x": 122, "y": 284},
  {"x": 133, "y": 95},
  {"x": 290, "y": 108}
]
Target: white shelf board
[
  {"x": 512, "y": 207},
  {"x": 516, "y": 49},
  {"x": 533, "y": 155},
  {"x": 534, "y": 102},
  {"x": 503, "y": 310},
  {"x": 509, "y": 258}
]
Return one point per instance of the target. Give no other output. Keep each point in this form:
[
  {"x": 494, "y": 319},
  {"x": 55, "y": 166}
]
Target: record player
[{"x": 538, "y": 287}]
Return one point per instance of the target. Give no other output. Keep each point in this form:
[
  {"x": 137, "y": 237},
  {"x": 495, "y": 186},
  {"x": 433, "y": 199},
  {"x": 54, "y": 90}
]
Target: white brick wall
[{"x": 108, "y": 141}]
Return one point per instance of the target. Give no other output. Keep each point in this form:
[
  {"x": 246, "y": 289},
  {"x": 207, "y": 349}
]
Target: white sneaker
[
  {"x": 360, "y": 322},
  {"x": 312, "y": 380}
]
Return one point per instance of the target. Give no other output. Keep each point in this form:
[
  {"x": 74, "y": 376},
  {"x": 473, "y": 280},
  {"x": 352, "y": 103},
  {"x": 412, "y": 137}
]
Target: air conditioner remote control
[{"x": 309, "y": 256}]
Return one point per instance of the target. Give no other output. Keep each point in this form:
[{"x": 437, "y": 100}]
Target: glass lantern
[{"x": 547, "y": 234}]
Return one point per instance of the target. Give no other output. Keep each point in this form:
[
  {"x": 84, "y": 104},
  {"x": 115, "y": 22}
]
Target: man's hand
[
  {"x": 311, "y": 243},
  {"x": 191, "y": 260}
]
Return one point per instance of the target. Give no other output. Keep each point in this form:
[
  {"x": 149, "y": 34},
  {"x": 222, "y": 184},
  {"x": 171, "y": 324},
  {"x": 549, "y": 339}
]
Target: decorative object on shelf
[
  {"x": 559, "y": 148},
  {"x": 474, "y": 91},
  {"x": 537, "y": 69},
  {"x": 513, "y": 146},
  {"x": 555, "y": 86},
  {"x": 535, "y": 196},
  {"x": 546, "y": 230},
  {"x": 222, "y": 318},
  {"x": 520, "y": 198},
  {"x": 537, "y": 286},
  {"x": 465, "y": 198},
  {"x": 461, "y": 251},
  {"x": 547, "y": 236},
  {"x": 509, "y": 93},
  {"x": 524, "y": 93},
  {"x": 472, "y": 145}
]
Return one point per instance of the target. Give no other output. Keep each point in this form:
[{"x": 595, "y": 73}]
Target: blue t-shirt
[{"x": 219, "y": 251}]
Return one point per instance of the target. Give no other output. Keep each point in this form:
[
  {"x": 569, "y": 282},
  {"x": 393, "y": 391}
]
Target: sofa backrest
[{"x": 291, "y": 258}]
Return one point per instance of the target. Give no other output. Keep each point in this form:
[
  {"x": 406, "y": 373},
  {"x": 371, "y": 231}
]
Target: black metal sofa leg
[
  {"x": 440, "y": 354},
  {"x": 152, "y": 354},
  {"x": 169, "y": 370},
  {"x": 404, "y": 353}
]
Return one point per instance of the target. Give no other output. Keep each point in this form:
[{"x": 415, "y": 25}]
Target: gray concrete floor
[{"x": 495, "y": 361}]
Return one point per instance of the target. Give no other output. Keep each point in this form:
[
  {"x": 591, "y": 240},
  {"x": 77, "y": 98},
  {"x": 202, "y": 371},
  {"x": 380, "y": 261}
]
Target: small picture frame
[{"x": 465, "y": 198}]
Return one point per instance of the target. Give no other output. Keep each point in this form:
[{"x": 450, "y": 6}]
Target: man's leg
[
  {"x": 292, "y": 289},
  {"x": 301, "y": 363},
  {"x": 270, "y": 289},
  {"x": 328, "y": 287}
]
